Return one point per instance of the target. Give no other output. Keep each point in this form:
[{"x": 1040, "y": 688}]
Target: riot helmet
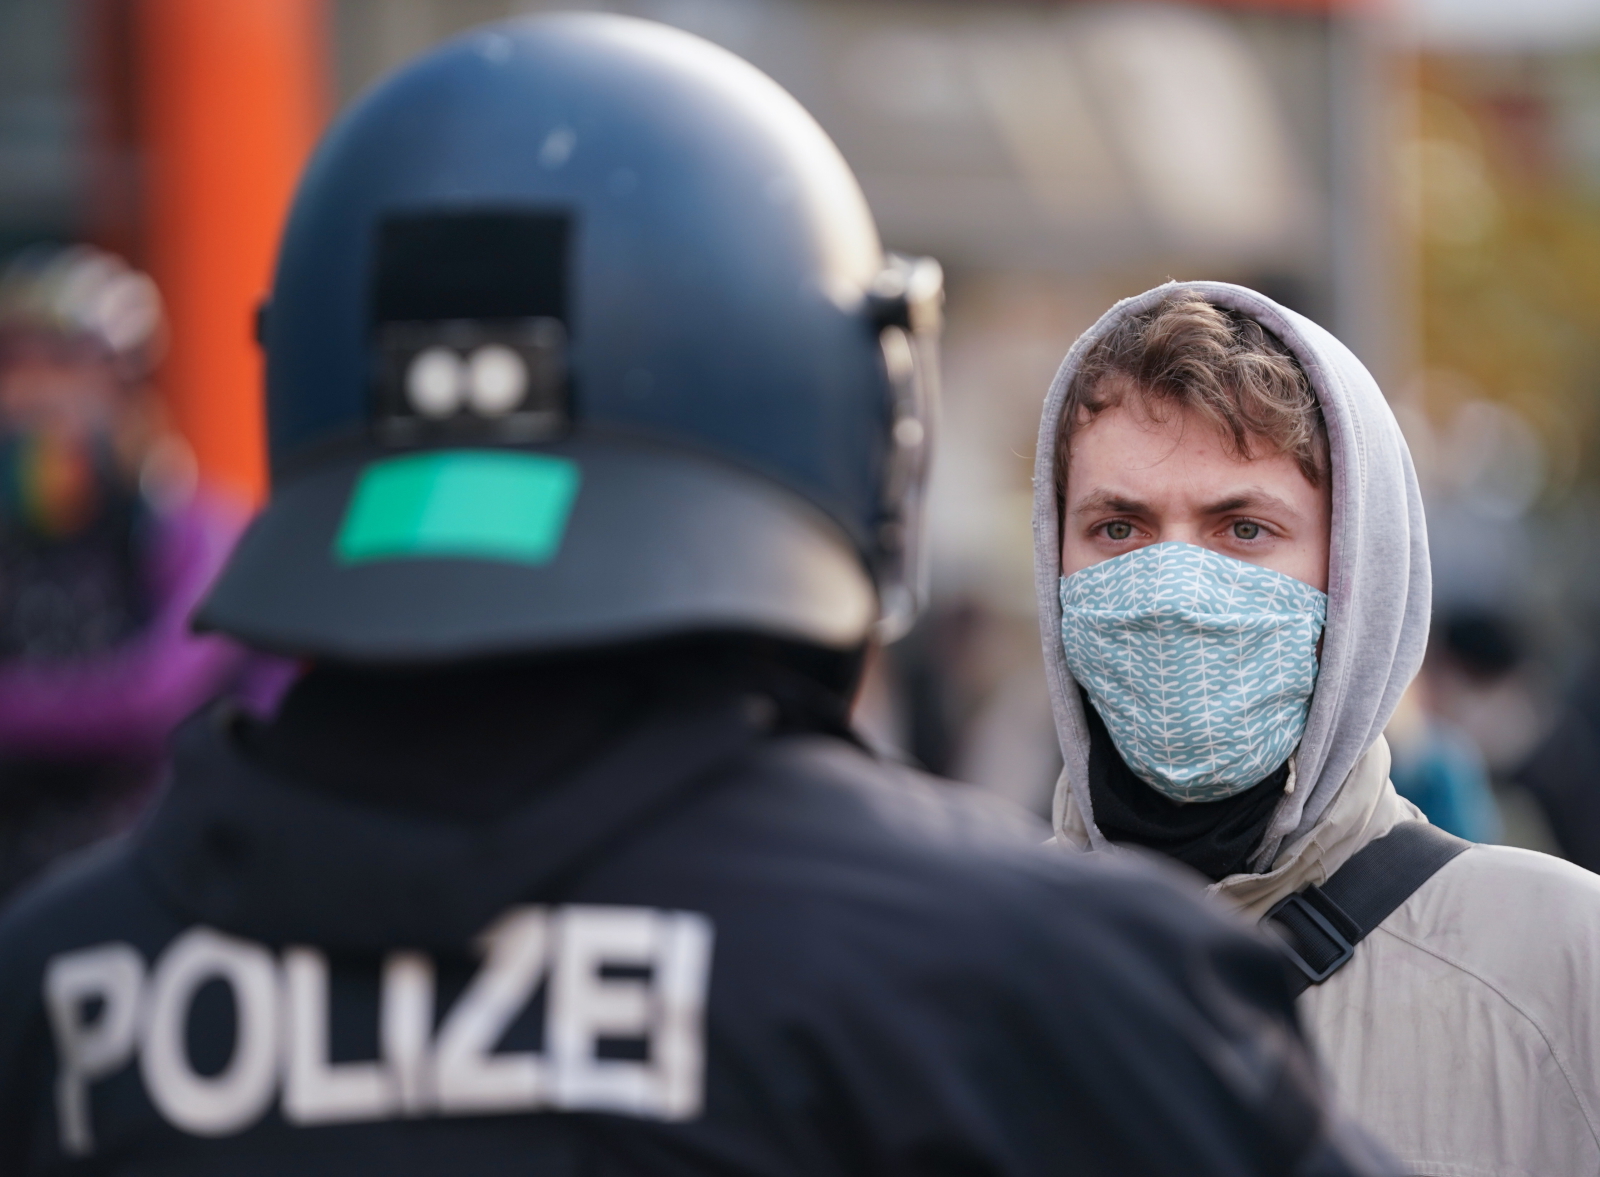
[{"x": 581, "y": 334}]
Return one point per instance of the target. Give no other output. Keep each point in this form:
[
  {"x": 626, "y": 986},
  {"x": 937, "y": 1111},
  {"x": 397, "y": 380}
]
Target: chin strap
[{"x": 1318, "y": 928}]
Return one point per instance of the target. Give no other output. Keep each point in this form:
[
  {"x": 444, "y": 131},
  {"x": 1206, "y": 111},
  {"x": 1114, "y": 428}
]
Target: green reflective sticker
[{"x": 463, "y": 503}]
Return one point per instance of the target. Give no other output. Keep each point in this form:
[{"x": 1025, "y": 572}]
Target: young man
[
  {"x": 593, "y": 480},
  {"x": 1233, "y": 580}
]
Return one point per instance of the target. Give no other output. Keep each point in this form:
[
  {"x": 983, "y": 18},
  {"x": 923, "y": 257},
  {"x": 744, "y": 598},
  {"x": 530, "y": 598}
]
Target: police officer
[{"x": 598, "y": 428}]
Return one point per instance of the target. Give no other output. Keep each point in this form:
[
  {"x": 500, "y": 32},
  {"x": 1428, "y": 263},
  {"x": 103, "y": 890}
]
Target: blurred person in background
[
  {"x": 1233, "y": 578},
  {"x": 1563, "y": 773},
  {"x": 1437, "y": 766},
  {"x": 1439, "y": 769},
  {"x": 561, "y": 856},
  {"x": 106, "y": 547}
]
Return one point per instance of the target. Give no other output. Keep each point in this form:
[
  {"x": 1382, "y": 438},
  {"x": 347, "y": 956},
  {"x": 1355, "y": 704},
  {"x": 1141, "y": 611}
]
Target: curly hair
[{"x": 1184, "y": 353}]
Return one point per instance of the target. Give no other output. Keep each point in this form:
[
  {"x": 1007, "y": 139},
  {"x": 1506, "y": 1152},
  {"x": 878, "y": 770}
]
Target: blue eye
[
  {"x": 1244, "y": 529},
  {"x": 1119, "y": 529}
]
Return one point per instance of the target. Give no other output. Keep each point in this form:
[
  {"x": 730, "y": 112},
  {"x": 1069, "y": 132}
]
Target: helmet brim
[{"x": 620, "y": 542}]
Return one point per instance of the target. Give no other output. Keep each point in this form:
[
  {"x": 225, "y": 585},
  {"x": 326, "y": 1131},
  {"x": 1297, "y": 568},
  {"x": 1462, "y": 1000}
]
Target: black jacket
[{"x": 720, "y": 943}]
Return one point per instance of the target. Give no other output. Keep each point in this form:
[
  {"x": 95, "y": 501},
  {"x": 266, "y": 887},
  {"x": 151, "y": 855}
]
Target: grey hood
[{"x": 1379, "y": 587}]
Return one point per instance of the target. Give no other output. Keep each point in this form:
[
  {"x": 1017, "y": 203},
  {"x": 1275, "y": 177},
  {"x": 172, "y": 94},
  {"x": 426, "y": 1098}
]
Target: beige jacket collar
[{"x": 1365, "y": 808}]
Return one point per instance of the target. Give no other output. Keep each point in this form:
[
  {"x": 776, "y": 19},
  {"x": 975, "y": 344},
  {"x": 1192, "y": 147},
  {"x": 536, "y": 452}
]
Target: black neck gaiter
[{"x": 1216, "y": 838}]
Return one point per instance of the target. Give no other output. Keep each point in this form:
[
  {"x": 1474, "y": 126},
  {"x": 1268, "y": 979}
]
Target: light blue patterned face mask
[{"x": 1200, "y": 665}]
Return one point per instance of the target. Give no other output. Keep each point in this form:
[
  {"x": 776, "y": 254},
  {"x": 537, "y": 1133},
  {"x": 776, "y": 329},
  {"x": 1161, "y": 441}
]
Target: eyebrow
[
  {"x": 1249, "y": 498},
  {"x": 1252, "y": 498},
  {"x": 1105, "y": 500}
]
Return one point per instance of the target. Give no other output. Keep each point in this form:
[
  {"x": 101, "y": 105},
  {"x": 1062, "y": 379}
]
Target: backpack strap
[{"x": 1319, "y": 927}]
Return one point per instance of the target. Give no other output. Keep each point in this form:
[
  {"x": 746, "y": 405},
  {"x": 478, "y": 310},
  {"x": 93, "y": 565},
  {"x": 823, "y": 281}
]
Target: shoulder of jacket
[
  {"x": 1511, "y": 876},
  {"x": 905, "y": 800},
  {"x": 82, "y": 898},
  {"x": 981, "y": 854},
  {"x": 1524, "y": 923},
  {"x": 1517, "y": 935}
]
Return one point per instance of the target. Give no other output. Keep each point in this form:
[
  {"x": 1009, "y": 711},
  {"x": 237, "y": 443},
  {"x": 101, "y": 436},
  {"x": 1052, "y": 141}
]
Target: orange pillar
[{"x": 231, "y": 94}]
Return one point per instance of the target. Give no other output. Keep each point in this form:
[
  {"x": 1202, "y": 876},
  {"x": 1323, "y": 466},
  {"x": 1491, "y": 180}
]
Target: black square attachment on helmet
[{"x": 470, "y": 327}]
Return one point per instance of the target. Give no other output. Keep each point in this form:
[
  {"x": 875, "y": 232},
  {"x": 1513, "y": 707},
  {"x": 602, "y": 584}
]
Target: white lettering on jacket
[
  {"x": 634, "y": 975},
  {"x": 111, "y": 975},
  {"x": 236, "y": 1096}
]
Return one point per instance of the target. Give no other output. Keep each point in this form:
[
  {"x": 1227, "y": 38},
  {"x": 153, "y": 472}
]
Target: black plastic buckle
[{"x": 1324, "y": 925}]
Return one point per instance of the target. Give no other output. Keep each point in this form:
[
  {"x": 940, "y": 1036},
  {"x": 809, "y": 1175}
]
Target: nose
[{"x": 1183, "y": 531}]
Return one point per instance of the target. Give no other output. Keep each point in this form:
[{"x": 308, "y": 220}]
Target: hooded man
[{"x": 1233, "y": 582}]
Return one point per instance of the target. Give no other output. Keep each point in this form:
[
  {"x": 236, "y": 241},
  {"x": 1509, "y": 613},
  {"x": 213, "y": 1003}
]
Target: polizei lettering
[{"x": 608, "y": 975}]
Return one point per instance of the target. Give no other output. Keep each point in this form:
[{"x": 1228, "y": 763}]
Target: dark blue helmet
[{"x": 581, "y": 333}]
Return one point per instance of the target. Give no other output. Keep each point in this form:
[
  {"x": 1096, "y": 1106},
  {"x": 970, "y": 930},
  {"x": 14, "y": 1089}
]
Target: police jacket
[{"x": 563, "y": 922}]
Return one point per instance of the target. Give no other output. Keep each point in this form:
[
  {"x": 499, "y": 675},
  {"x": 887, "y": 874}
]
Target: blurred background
[{"x": 1421, "y": 176}]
